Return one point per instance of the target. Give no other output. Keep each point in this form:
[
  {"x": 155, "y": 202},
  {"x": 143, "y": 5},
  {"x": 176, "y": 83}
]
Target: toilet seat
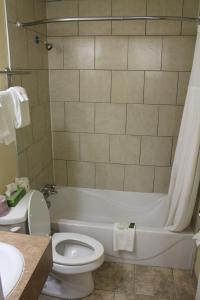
[{"x": 79, "y": 239}]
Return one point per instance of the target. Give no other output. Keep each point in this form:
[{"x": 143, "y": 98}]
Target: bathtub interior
[{"x": 105, "y": 206}]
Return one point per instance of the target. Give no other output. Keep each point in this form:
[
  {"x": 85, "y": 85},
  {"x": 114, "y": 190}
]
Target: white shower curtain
[{"x": 185, "y": 173}]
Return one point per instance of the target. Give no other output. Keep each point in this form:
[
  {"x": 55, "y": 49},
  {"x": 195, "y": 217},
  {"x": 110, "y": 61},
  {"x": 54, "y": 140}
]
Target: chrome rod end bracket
[{"x": 19, "y": 24}]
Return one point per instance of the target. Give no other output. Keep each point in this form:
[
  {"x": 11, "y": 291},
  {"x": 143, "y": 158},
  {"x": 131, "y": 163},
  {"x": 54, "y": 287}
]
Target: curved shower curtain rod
[{"x": 129, "y": 18}]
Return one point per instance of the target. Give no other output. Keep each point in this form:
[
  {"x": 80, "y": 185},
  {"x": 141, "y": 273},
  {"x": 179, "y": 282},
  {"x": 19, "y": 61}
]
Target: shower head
[{"x": 47, "y": 45}]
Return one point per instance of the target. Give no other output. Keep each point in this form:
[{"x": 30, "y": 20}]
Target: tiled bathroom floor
[{"x": 114, "y": 281}]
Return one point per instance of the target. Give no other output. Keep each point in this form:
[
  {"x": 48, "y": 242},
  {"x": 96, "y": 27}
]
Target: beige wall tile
[
  {"x": 62, "y": 29},
  {"x": 40, "y": 9},
  {"x": 139, "y": 178},
  {"x": 79, "y": 53},
  {"x": 43, "y": 86},
  {"x": 95, "y": 28},
  {"x": 11, "y": 8},
  {"x": 64, "y": 85},
  {"x": 109, "y": 176},
  {"x": 22, "y": 165},
  {"x": 61, "y": 9},
  {"x": 56, "y": 55},
  {"x": 124, "y": 149},
  {"x": 35, "y": 51},
  {"x": 110, "y": 118},
  {"x": 25, "y": 10},
  {"x": 24, "y": 138},
  {"x": 34, "y": 160},
  {"x": 94, "y": 147},
  {"x": 42, "y": 178},
  {"x": 60, "y": 172},
  {"x": 169, "y": 120},
  {"x": 177, "y": 53},
  {"x": 30, "y": 84},
  {"x": 128, "y": 28},
  {"x": 81, "y": 174},
  {"x": 189, "y": 28},
  {"x": 45, "y": 145},
  {"x": 111, "y": 53},
  {"x": 156, "y": 151},
  {"x": 190, "y": 9},
  {"x": 94, "y": 8},
  {"x": 79, "y": 117},
  {"x": 57, "y": 115},
  {"x": 162, "y": 179},
  {"x": 38, "y": 122},
  {"x": 47, "y": 119},
  {"x": 127, "y": 86},
  {"x": 50, "y": 171},
  {"x": 164, "y": 7},
  {"x": 128, "y": 7},
  {"x": 95, "y": 86},
  {"x": 18, "y": 46},
  {"x": 163, "y": 27},
  {"x": 142, "y": 119},
  {"x": 144, "y": 53},
  {"x": 183, "y": 81},
  {"x": 90, "y": 8},
  {"x": 160, "y": 87},
  {"x": 66, "y": 145}
]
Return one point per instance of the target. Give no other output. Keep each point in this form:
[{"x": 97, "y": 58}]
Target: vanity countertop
[{"x": 37, "y": 252}]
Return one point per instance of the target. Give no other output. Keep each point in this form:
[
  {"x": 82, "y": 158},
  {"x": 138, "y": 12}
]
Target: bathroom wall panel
[
  {"x": 33, "y": 141},
  {"x": 136, "y": 76}
]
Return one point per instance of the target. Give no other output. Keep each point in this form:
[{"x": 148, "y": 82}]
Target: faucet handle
[{"x": 50, "y": 186}]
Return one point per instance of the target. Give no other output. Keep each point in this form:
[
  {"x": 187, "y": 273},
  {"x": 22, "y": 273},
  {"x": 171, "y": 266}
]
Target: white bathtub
[{"x": 93, "y": 212}]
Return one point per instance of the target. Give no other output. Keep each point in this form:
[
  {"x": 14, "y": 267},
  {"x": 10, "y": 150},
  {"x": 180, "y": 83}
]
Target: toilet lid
[
  {"x": 97, "y": 249},
  {"x": 38, "y": 215}
]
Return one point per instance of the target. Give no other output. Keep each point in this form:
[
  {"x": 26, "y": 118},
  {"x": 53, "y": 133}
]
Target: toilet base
[{"x": 69, "y": 286}]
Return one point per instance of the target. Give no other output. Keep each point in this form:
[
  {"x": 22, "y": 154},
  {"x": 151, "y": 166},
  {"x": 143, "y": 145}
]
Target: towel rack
[{"x": 9, "y": 72}]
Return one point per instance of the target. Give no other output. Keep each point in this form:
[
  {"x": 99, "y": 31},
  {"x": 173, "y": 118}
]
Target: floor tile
[
  {"x": 154, "y": 281},
  {"x": 116, "y": 281},
  {"x": 115, "y": 277},
  {"x": 125, "y": 296},
  {"x": 185, "y": 285},
  {"x": 43, "y": 297},
  {"x": 100, "y": 295}
]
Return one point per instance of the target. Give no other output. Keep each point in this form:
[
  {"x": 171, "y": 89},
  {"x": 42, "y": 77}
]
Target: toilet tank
[{"x": 16, "y": 219}]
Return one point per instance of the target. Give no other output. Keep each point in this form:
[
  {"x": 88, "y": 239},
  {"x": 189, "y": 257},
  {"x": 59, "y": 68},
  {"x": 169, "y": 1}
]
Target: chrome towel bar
[{"x": 10, "y": 72}]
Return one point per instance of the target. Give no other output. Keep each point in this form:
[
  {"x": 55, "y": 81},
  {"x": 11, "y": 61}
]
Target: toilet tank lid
[
  {"x": 38, "y": 215},
  {"x": 17, "y": 214}
]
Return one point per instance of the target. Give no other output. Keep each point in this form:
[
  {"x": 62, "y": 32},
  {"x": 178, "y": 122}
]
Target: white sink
[{"x": 11, "y": 267}]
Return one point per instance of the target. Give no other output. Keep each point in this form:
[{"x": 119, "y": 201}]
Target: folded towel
[
  {"x": 20, "y": 106},
  {"x": 7, "y": 130},
  {"x": 123, "y": 237}
]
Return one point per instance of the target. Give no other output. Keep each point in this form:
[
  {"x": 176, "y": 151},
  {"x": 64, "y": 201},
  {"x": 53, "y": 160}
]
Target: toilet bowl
[{"x": 75, "y": 256}]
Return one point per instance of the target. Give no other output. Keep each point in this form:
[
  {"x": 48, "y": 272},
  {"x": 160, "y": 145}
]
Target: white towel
[
  {"x": 123, "y": 238},
  {"x": 20, "y": 106},
  {"x": 7, "y": 130}
]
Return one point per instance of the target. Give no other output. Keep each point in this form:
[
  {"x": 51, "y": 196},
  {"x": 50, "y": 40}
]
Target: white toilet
[{"x": 75, "y": 256}]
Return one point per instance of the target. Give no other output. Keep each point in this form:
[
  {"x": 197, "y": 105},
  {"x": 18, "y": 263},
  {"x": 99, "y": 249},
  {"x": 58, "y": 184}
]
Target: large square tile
[
  {"x": 114, "y": 277},
  {"x": 154, "y": 281},
  {"x": 111, "y": 53}
]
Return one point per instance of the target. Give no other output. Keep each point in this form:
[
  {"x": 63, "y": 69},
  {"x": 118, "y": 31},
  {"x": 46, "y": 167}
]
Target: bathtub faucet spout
[{"x": 48, "y": 190}]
